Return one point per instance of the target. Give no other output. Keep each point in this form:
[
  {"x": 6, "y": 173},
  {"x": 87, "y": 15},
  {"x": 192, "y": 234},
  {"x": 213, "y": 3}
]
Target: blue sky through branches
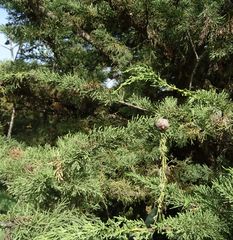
[{"x": 4, "y": 53}]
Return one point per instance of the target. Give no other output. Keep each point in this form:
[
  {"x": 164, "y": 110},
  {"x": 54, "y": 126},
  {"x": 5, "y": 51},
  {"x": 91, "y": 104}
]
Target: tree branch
[
  {"x": 11, "y": 122},
  {"x": 196, "y": 64},
  {"x": 133, "y": 106},
  {"x": 193, "y": 46},
  {"x": 87, "y": 37}
]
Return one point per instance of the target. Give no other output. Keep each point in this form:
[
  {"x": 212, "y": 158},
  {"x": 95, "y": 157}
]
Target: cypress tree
[{"x": 148, "y": 157}]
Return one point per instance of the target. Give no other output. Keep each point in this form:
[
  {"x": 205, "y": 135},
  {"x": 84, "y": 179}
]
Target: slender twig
[
  {"x": 193, "y": 46},
  {"x": 133, "y": 106},
  {"x": 193, "y": 74},
  {"x": 197, "y": 61},
  {"x": 195, "y": 69}
]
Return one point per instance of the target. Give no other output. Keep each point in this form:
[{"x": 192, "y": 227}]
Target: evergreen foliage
[{"x": 85, "y": 161}]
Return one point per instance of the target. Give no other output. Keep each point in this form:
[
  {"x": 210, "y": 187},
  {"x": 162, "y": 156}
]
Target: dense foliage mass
[{"x": 149, "y": 157}]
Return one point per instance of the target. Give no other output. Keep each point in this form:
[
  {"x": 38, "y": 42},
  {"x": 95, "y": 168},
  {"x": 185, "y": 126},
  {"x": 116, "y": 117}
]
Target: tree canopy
[{"x": 149, "y": 157}]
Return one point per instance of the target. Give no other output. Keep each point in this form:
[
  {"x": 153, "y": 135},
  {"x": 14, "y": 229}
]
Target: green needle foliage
[{"x": 147, "y": 158}]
